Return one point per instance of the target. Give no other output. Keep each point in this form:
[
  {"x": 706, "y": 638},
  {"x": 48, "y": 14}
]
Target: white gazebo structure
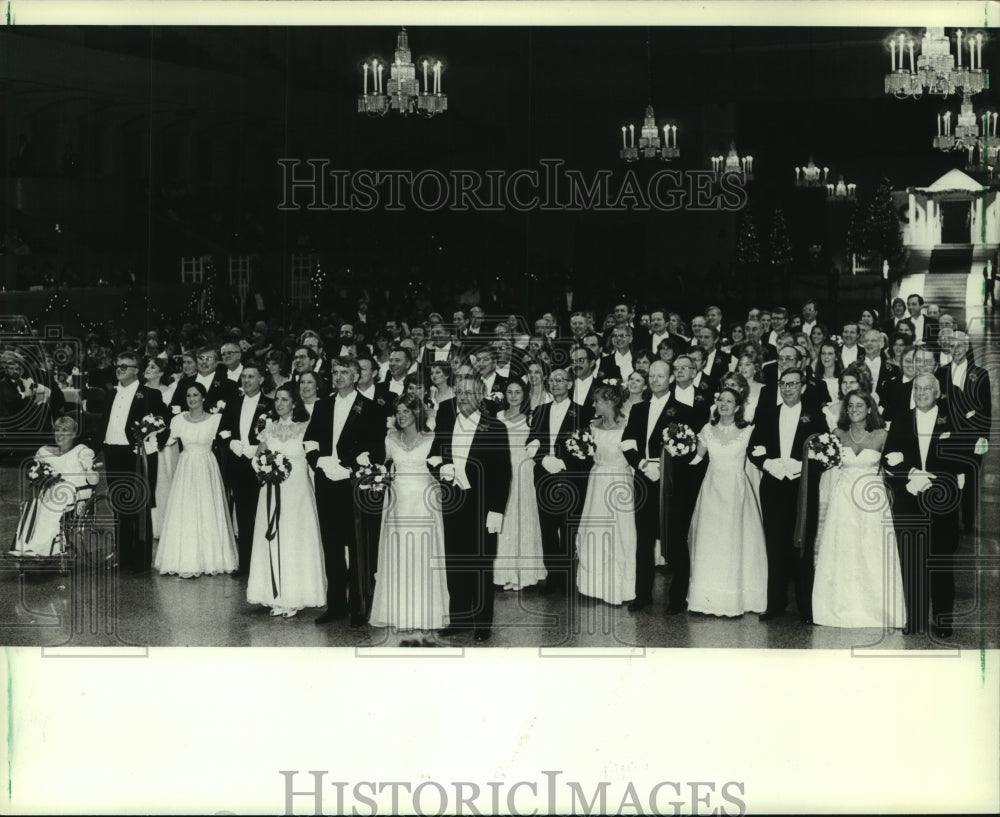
[{"x": 956, "y": 191}]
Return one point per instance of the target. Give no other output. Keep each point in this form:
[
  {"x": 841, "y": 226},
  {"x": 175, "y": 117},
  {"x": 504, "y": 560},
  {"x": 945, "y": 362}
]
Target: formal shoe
[
  {"x": 770, "y": 615},
  {"x": 275, "y": 611},
  {"x": 289, "y": 613},
  {"x": 674, "y": 609},
  {"x": 331, "y": 615},
  {"x": 358, "y": 621},
  {"x": 637, "y": 604},
  {"x": 482, "y": 635},
  {"x": 942, "y": 631}
]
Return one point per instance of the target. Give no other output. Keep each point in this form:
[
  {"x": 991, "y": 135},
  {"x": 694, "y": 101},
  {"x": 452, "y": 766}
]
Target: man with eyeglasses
[
  {"x": 923, "y": 451},
  {"x": 232, "y": 359},
  {"x": 851, "y": 352},
  {"x": 789, "y": 357},
  {"x": 560, "y": 479},
  {"x": 775, "y": 447},
  {"x": 211, "y": 375},
  {"x": 126, "y": 482},
  {"x": 618, "y": 365},
  {"x": 584, "y": 365}
]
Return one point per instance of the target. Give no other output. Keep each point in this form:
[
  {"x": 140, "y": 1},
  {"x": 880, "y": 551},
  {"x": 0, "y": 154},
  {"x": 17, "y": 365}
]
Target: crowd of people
[{"x": 427, "y": 465}]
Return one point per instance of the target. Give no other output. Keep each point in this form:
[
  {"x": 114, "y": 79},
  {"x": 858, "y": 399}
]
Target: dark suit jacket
[
  {"x": 221, "y": 388},
  {"x": 384, "y": 398},
  {"x": 945, "y": 457},
  {"x": 488, "y": 465},
  {"x": 147, "y": 400},
  {"x": 576, "y": 419},
  {"x": 673, "y": 412},
  {"x": 766, "y": 434},
  {"x": 720, "y": 368},
  {"x": 889, "y": 371},
  {"x": 895, "y": 400},
  {"x": 973, "y": 399},
  {"x": 230, "y": 420},
  {"x": 364, "y": 430}
]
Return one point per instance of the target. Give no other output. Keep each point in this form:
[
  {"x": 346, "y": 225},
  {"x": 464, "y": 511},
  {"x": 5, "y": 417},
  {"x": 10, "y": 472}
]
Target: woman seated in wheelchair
[{"x": 60, "y": 478}]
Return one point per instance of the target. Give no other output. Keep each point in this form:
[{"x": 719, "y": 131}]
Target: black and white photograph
[{"x": 610, "y": 375}]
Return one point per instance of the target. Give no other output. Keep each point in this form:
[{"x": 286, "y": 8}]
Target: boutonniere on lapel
[
  {"x": 945, "y": 436},
  {"x": 356, "y": 409},
  {"x": 670, "y": 412},
  {"x": 805, "y": 419},
  {"x": 699, "y": 398},
  {"x": 217, "y": 407},
  {"x": 139, "y": 395},
  {"x": 380, "y": 401},
  {"x": 940, "y": 421},
  {"x": 261, "y": 424},
  {"x": 973, "y": 377}
]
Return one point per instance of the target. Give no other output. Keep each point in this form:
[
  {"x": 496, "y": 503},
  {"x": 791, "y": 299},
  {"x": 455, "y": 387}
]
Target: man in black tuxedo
[
  {"x": 349, "y": 431},
  {"x": 560, "y": 480},
  {"x": 440, "y": 348},
  {"x": 925, "y": 328},
  {"x": 492, "y": 382},
  {"x": 776, "y": 449},
  {"x": 584, "y": 365},
  {"x": 211, "y": 375},
  {"x": 851, "y": 352},
  {"x": 618, "y": 364},
  {"x": 966, "y": 388},
  {"x": 881, "y": 369},
  {"x": 716, "y": 365},
  {"x": 897, "y": 398},
  {"x": 471, "y": 458},
  {"x": 238, "y": 433},
  {"x": 304, "y": 360},
  {"x": 642, "y": 441},
  {"x": 771, "y": 398},
  {"x": 923, "y": 451},
  {"x": 130, "y": 497},
  {"x": 394, "y": 384},
  {"x": 624, "y": 316}
]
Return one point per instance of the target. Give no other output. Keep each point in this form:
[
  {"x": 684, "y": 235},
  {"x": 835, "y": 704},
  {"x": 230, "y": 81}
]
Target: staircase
[{"x": 946, "y": 285}]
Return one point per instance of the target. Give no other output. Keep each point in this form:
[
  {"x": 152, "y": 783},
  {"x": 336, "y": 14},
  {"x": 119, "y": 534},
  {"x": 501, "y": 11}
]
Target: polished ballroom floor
[{"x": 90, "y": 606}]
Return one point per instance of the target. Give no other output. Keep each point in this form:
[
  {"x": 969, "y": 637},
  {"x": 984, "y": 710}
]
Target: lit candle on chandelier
[
  {"x": 958, "y": 36},
  {"x": 750, "y": 164},
  {"x": 380, "y": 78},
  {"x": 797, "y": 171},
  {"x": 939, "y": 124},
  {"x": 979, "y": 49},
  {"x": 631, "y": 135},
  {"x": 826, "y": 172},
  {"x": 850, "y": 189},
  {"x": 995, "y": 124},
  {"x": 365, "y": 66},
  {"x": 972, "y": 54},
  {"x": 624, "y": 140},
  {"x": 892, "y": 53},
  {"x": 437, "y": 77},
  {"x": 829, "y": 189},
  {"x": 912, "y": 68},
  {"x": 673, "y": 129},
  {"x": 427, "y": 89},
  {"x": 666, "y": 135}
]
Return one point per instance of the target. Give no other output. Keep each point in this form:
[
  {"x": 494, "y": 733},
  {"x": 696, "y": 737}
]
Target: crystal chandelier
[
  {"x": 649, "y": 146},
  {"x": 732, "y": 162},
  {"x": 968, "y": 136},
  {"x": 809, "y": 176},
  {"x": 936, "y": 69},
  {"x": 402, "y": 90},
  {"x": 841, "y": 191},
  {"x": 649, "y": 141}
]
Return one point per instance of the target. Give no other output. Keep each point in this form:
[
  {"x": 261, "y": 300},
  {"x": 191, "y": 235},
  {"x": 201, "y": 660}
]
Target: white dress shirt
[
  {"x": 205, "y": 380},
  {"x": 369, "y": 392},
  {"x": 124, "y": 395},
  {"x": 341, "y": 408},
  {"x": 658, "y": 339},
  {"x": 624, "y": 363},
  {"x": 461, "y": 443},
  {"x": 875, "y": 367},
  {"x": 925, "y": 430},
  {"x": 788, "y": 419},
  {"x": 958, "y": 372},
  {"x": 807, "y": 327},
  {"x": 246, "y": 415},
  {"x": 235, "y": 374},
  {"x": 918, "y": 328},
  {"x": 685, "y": 396},
  {"x": 396, "y": 386},
  {"x": 557, "y": 413},
  {"x": 849, "y": 355},
  {"x": 709, "y": 362},
  {"x": 656, "y": 405},
  {"x": 503, "y": 371},
  {"x": 489, "y": 381},
  {"x": 442, "y": 352},
  {"x": 580, "y": 389}
]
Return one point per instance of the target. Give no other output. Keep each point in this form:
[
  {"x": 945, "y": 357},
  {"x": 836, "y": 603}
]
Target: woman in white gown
[
  {"x": 39, "y": 531},
  {"x": 519, "y": 561},
  {"x": 196, "y": 535},
  {"x": 858, "y": 582},
  {"x": 411, "y": 592},
  {"x": 726, "y": 538},
  {"x": 287, "y": 572},
  {"x": 606, "y": 538}
]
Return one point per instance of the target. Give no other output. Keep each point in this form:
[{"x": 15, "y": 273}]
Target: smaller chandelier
[
  {"x": 809, "y": 176},
  {"x": 732, "y": 162},
  {"x": 841, "y": 191},
  {"x": 402, "y": 90},
  {"x": 649, "y": 141},
  {"x": 936, "y": 68},
  {"x": 967, "y": 135}
]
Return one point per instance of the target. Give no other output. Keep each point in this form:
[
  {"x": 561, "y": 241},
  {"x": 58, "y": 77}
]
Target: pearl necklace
[{"x": 864, "y": 436}]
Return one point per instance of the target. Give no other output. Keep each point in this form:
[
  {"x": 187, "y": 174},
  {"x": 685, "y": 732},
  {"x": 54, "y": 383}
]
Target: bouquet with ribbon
[
  {"x": 261, "y": 424},
  {"x": 581, "y": 445},
  {"x": 825, "y": 449},
  {"x": 374, "y": 477},
  {"x": 680, "y": 440},
  {"x": 41, "y": 475},
  {"x": 272, "y": 468},
  {"x": 144, "y": 428}
]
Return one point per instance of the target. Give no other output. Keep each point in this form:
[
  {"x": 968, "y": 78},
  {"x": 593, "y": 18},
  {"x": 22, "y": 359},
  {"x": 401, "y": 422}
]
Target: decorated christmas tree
[
  {"x": 884, "y": 240},
  {"x": 781, "y": 244},
  {"x": 747, "y": 243}
]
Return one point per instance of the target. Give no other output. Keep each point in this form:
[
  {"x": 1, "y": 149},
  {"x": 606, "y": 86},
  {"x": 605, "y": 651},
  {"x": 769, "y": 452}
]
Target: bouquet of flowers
[
  {"x": 680, "y": 440},
  {"x": 826, "y": 449},
  {"x": 271, "y": 467},
  {"x": 495, "y": 397},
  {"x": 217, "y": 407},
  {"x": 837, "y": 339},
  {"x": 611, "y": 381},
  {"x": 261, "y": 424},
  {"x": 581, "y": 445},
  {"x": 146, "y": 427},
  {"x": 374, "y": 477},
  {"x": 41, "y": 475}
]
